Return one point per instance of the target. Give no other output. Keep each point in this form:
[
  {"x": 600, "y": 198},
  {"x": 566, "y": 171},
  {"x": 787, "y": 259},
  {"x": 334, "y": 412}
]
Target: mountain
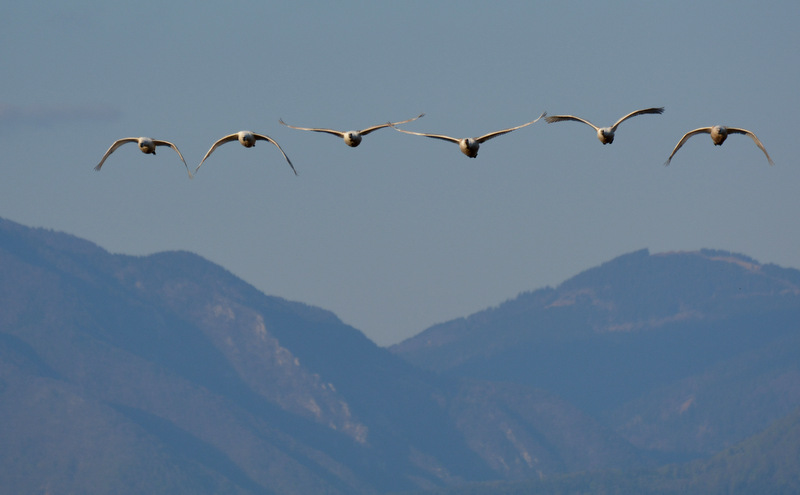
[
  {"x": 768, "y": 462},
  {"x": 683, "y": 354},
  {"x": 167, "y": 374}
]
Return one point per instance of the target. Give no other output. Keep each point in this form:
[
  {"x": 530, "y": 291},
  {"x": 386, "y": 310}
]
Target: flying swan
[
  {"x": 146, "y": 144},
  {"x": 351, "y": 138},
  {"x": 604, "y": 134},
  {"x": 718, "y": 134},
  {"x": 248, "y": 140},
  {"x": 470, "y": 146}
]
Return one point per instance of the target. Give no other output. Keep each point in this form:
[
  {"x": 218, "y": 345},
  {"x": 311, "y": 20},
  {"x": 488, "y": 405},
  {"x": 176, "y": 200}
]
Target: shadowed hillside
[
  {"x": 166, "y": 374},
  {"x": 683, "y": 354},
  {"x": 768, "y": 462}
]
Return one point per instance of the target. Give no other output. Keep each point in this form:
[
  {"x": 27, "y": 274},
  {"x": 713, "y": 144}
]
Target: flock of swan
[{"x": 468, "y": 146}]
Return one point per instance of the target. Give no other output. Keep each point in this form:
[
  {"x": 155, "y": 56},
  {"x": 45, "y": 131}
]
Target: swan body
[
  {"x": 146, "y": 145},
  {"x": 470, "y": 146},
  {"x": 719, "y": 134},
  {"x": 604, "y": 134},
  {"x": 351, "y": 138},
  {"x": 248, "y": 140}
]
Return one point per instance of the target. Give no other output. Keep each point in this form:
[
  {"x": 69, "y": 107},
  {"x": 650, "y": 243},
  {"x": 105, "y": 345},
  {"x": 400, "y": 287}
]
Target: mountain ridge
[
  {"x": 763, "y": 463},
  {"x": 168, "y": 374},
  {"x": 173, "y": 371},
  {"x": 641, "y": 325}
]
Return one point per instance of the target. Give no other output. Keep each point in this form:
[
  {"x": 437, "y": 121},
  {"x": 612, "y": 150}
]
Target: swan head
[
  {"x": 469, "y": 147},
  {"x": 147, "y": 145},
  {"x": 247, "y": 139},
  {"x": 718, "y": 134},
  {"x": 605, "y": 135},
  {"x": 352, "y": 138}
]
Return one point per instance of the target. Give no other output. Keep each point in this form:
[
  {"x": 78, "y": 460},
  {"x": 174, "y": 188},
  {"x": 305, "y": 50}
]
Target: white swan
[
  {"x": 604, "y": 134},
  {"x": 470, "y": 146},
  {"x": 351, "y": 138},
  {"x": 248, "y": 140},
  {"x": 718, "y": 134},
  {"x": 146, "y": 144}
]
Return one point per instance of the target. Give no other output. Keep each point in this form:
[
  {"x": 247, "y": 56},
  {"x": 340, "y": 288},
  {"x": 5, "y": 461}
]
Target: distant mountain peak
[
  {"x": 684, "y": 350},
  {"x": 166, "y": 373}
]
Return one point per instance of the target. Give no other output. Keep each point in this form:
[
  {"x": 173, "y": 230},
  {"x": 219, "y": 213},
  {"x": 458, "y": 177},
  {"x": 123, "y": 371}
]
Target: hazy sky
[{"x": 403, "y": 232}]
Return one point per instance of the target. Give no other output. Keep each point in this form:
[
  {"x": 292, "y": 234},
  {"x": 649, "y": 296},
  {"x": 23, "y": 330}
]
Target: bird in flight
[
  {"x": 604, "y": 134},
  {"x": 146, "y": 144},
  {"x": 718, "y": 135},
  {"x": 351, "y": 138},
  {"x": 470, "y": 146},
  {"x": 248, "y": 140}
]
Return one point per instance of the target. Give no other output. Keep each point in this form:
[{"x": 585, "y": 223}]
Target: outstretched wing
[
  {"x": 702, "y": 130},
  {"x": 434, "y": 136},
  {"x": 159, "y": 142},
  {"x": 366, "y": 131},
  {"x": 314, "y": 129},
  {"x": 491, "y": 135},
  {"x": 562, "y": 118},
  {"x": 226, "y": 139},
  {"x": 755, "y": 139},
  {"x": 658, "y": 110},
  {"x": 267, "y": 138},
  {"x": 117, "y": 144}
]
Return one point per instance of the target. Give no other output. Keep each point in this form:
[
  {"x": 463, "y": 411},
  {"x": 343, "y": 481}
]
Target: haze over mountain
[
  {"x": 684, "y": 354},
  {"x": 764, "y": 463},
  {"x": 167, "y": 374}
]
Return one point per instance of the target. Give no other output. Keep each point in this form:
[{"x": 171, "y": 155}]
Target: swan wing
[
  {"x": 702, "y": 130},
  {"x": 117, "y": 144},
  {"x": 314, "y": 129},
  {"x": 434, "y": 136},
  {"x": 226, "y": 139},
  {"x": 562, "y": 118},
  {"x": 491, "y": 135},
  {"x": 262, "y": 137},
  {"x": 755, "y": 139},
  {"x": 159, "y": 142},
  {"x": 656, "y": 110},
  {"x": 366, "y": 131}
]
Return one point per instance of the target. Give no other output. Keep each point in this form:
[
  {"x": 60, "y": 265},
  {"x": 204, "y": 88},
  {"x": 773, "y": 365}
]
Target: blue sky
[{"x": 403, "y": 232}]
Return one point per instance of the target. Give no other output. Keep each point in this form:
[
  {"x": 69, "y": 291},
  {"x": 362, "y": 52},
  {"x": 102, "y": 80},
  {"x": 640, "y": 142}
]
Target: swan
[
  {"x": 604, "y": 134},
  {"x": 470, "y": 146},
  {"x": 248, "y": 140},
  {"x": 146, "y": 144},
  {"x": 351, "y": 138},
  {"x": 718, "y": 134}
]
